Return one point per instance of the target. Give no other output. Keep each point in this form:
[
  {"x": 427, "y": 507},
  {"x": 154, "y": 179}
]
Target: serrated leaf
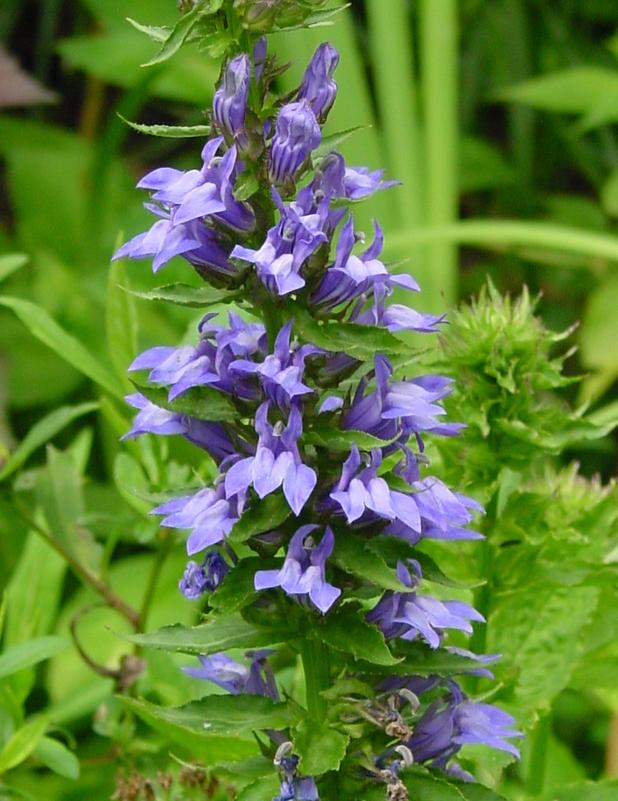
[
  {"x": 269, "y": 513},
  {"x": 185, "y": 295},
  {"x": 333, "y": 140},
  {"x": 220, "y": 634},
  {"x": 320, "y": 747},
  {"x": 347, "y": 631},
  {"x": 41, "y": 432},
  {"x": 169, "y": 131},
  {"x": 47, "y": 330},
  {"x": 201, "y": 402},
  {"x": 158, "y": 33},
  {"x": 237, "y": 589},
  {"x": 359, "y": 341},
  {"x": 22, "y": 743},
  {"x": 26, "y": 654},
  {"x": 352, "y": 555},
  {"x": 177, "y": 37},
  {"x": 57, "y": 757},
  {"x": 335, "y": 439}
]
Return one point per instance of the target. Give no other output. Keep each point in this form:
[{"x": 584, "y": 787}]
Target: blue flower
[
  {"x": 205, "y": 577},
  {"x": 229, "y": 104},
  {"x": 297, "y": 134},
  {"x": 408, "y": 615},
  {"x": 304, "y": 570},
  {"x": 276, "y": 463},
  {"x": 237, "y": 679},
  {"x": 318, "y": 88}
]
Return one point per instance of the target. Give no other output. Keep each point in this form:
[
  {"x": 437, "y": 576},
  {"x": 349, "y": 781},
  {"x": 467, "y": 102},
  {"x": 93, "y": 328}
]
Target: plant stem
[
  {"x": 82, "y": 572},
  {"x": 439, "y": 76},
  {"x": 535, "y": 774},
  {"x": 316, "y": 664},
  {"x": 155, "y": 571}
]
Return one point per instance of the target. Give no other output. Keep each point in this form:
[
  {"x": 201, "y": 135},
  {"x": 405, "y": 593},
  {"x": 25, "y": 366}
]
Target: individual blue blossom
[
  {"x": 287, "y": 247},
  {"x": 408, "y": 615},
  {"x": 277, "y": 462},
  {"x": 281, "y": 371},
  {"x": 304, "y": 569},
  {"x": 393, "y": 316},
  {"x": 293, "y": 786},
  {"x": 359, "y": 492},
  {"x": 361, "y": 182},
  {"x": 180, "y": 368},
  {"x": 318, "y": 88},
  {"x": 208, "y": 513},
  {"x": 351, "y": 276},
  {"x": 297, "y": 134},
  {"x": 205, "y": 577},
  {"x": 450, "y": 723},
  {"x": 236, "y": 678},
  {"x": 229, "y": 104}
]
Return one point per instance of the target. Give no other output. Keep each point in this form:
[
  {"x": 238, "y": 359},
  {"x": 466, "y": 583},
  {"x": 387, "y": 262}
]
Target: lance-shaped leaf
[
  {"x": 169, "y": 131},
  {"x": 185, "y": 295},
  {"x": 359, "y": 341},
  {"x": 24, "y": 655},
  {"x": 264, "y": 516},
  {"x": 201, "y": 402}
]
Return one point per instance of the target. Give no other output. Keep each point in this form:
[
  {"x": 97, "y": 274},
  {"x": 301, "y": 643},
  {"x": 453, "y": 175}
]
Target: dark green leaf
[
  {"x": 169, "y": 131},
  {"x": 352, "y": 555},
  {"x": 264, "y": 516},
  {"x": 41, "y": 432},
  {"x": 57, "y": 757},
  {"x": 201, "y": 402},
  {"x": 185, "y": 295},
  {"x": 335, "y": 439},
  {"x": 237, "y": 590},
  {"x": 430, "y": 787},
  {"x": 359, "y": 341},
  {"x": 346, "y": 631},
  {"x": 219, "y": 634},
  {"x": 320, "y": 747},
  {"x": 44, "y": 328},
  {"x": 26, "y": 654},
  {"x": 418, "y": 658},
  {"x": 177, "y": 37}
]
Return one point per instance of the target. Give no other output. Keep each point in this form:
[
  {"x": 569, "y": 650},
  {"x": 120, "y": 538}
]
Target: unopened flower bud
[
  {"x": 230, "y": 100},
  {"x": 318, "y": 88},
  {"x": 297, "y": 133}
]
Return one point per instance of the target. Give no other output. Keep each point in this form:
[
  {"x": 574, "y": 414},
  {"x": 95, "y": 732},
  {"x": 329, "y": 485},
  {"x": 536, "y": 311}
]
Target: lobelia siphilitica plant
[{"x": 310, "y": 540}]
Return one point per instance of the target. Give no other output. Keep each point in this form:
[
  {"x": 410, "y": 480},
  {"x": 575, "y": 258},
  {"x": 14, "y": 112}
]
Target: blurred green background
[{"x": 500, "y": 118}]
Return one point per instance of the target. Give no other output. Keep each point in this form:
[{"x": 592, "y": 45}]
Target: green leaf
[
  {"x": 59, "y": 492},
  {"x": 352, "y": 555},
  {"x": 335, "y": 439},
  {"x": 418, "y": 658},
  {"x": 394, "y": 549},
  {"x": 586, "y": 791},
  {"x": 169, "y": 131},
  {"x": 333, "y": 140},
  {"x": 246, "y": 187},
  {"x": 201, "y": 402},
  {"x": 430, "y": 787},
  {"x": 220, "y": 634},
  {"x": 345, "y": 630},
  {"x": 131, "y": 483},
  {"x": 19, "y": 747},
  {"x": 320, "y": 747},
  {"x": 238, "y": 589},
  {"x": 26, "y": 654},
  {"x": 599, "y": 329},
  {"x": 264, "y": 516},
  {"x": 41, "y": 432},
  {"x": 183, "y": 727},
  {"x": 120, "y": 320},
  {"x": 266, "y": 787},
  {"x": 185, "y": 295},
  {"x": 577, "y": 90},
  {"x": 11, "y": 262},
  {"x": 359, "y": 341},
  {"x": 44, "y": 328},
  {"x": 177, "y": 37},
  {"x": 157, "y": 33},
  {"x": 57, "y": 757}
]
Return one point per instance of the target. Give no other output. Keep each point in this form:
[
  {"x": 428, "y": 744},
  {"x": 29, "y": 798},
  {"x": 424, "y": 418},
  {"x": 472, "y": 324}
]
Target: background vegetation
[{"x": 500, "y": 119}]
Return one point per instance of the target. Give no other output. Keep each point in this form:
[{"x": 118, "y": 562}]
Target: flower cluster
[{"x": 291, "y": 253}]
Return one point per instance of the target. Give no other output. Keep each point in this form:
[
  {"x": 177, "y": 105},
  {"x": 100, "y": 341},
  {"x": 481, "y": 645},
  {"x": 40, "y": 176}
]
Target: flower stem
[
  {"x": 535, "y": 773},
  {"x": 316, "y": 664}
]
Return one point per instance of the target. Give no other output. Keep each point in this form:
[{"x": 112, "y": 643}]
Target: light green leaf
[
  {"x": 577, "y": 90},
  {"x": 120, "y": 320},
  {"x": 185, "y": 295},
  {"x": 219, "y": 634},
  {"x": 157, "y": 33},
  {"x": 47, "y": 330},
  {"x": 586, "y": 791},
  {"x": 57, "y": 757},
  {"x": 131, "y": 483},
  {"x": 359, "y": 341},
  {"x": 346, "y": 630},
  {"x": 41, "y": 432},
  {"x": 11, "y": 262},
  {"x": 26, "y": 654},
  {"x": 320, "y": 747},
  {"x": 332, "y": 141},
  {"x": 22, "y": 744},
  {"x": 599, "y": 330},
  {"x": 265, "y": 787},
  {"x": 169, "y": 131},
  {"x": 177, "y": 36}
]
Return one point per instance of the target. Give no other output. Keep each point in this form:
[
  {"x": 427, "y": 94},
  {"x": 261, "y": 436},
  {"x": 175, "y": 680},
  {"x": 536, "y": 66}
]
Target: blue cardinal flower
[
  {"x": 408, "y": 615},
  {"x": 318, "y": 87},
  {"x": 229, "y": 104},
  {"x": 205, "y": 577},
  {"x": 277, "y": 462},
  {"x": 304, "y": 569},
  {"x": 236, "y": 678},
  {"x": 297, "y": 134}
]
